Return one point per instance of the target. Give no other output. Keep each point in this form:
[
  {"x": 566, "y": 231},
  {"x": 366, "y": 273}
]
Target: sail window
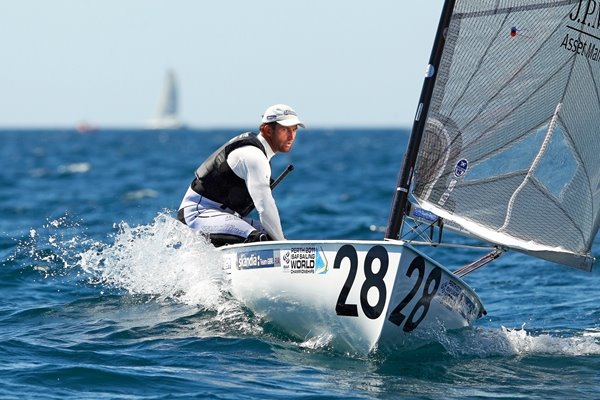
[{"x": 558, "y": 165}]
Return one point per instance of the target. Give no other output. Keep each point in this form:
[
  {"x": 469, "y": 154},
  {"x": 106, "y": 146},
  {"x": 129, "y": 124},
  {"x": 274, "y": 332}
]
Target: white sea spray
[
  {"x": 164, "y": 259},
  {"x": 488, "y": 342}
]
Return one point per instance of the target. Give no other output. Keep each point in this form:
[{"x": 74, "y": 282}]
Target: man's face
[{"x": 281, "y": 138}]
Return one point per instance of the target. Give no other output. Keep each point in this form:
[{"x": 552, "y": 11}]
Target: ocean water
[{"x": 106, "y": 296}]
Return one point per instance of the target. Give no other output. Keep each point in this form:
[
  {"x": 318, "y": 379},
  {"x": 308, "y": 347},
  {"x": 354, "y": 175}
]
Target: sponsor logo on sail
[
  {"x": 461, "y": 168},
  {"x": 584, "y": 36},
  {"x": 587, "y": 13}
]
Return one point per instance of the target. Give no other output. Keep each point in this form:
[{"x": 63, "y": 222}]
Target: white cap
[{"x": 282, "y": 114}]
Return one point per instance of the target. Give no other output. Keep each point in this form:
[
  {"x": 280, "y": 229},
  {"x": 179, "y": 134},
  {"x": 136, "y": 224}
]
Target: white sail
[
  {"x": 167, "y": 113},
  {"x": 510, "y": 151}
]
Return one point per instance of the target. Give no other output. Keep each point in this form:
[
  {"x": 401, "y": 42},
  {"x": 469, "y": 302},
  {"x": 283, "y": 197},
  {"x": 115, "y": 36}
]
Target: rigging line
[
  {"x": 481, "y": 262},
  {"x": 505, "y": 85},
  {"x": 534, "y": 165},
  {"x": 420, "y": 234},
  {"x": 471, "y": 267},
  {"x": 451, "y": 245}
]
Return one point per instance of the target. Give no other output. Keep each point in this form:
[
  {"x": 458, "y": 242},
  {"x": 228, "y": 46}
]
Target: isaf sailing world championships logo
[
  {"x": 304, "y": 260},
  {"x": 585, "y": 38}
]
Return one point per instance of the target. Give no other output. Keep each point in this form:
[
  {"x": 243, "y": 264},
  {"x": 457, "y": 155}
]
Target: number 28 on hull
[{"x": 359, "y": 295}]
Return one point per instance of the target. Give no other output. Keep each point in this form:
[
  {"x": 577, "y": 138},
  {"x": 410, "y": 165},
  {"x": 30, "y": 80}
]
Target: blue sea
[{"x": 104, "y": 295}]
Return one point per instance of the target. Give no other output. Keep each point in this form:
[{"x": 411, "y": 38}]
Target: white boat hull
[{"x": 358, "y": 295}]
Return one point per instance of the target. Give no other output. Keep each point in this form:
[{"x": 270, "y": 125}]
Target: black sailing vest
[{"x": 217, "y": 181}]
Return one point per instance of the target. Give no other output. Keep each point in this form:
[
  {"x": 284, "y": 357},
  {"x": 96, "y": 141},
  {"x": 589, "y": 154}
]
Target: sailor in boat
[{"x": 236, "y": 178}]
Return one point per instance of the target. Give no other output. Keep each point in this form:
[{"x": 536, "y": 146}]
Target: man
[{"x": 236, "y": 177}]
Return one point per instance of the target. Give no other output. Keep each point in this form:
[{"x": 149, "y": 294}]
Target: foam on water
[
  {"x": 164, "y": 259},
  {"x": 75, "y": 168},
  {"x": 163, "y": 262},
  {"x": 53, "y": 246},
  {"x": 318, "y": 342},
  {"x": 482, "y": 342},
  {"x": 170, "y": 263}
]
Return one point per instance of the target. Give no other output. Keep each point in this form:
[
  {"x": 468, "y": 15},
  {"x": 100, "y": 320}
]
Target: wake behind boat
[{"x": 503, "y": 148}]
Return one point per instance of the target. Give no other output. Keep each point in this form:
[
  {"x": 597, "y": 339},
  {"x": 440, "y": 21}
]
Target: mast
[{"x": 400, "y": 200}]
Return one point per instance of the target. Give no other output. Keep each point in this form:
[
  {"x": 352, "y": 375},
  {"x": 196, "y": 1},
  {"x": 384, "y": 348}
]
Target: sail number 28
[{"x": 375, "y": 280}]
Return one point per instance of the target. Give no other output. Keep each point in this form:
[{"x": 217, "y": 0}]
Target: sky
[{"x": 338, "y": 63}]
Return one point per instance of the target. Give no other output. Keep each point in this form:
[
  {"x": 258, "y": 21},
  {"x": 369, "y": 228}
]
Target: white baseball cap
[{"x": 282, "y": 114}]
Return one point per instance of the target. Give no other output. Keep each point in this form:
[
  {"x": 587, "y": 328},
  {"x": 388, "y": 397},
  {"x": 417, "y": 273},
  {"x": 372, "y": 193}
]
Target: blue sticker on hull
[{"x": 256, "y": 259}]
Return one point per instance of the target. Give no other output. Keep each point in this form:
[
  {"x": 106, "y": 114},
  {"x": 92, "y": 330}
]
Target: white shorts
[{"x": 209, "y": 217}]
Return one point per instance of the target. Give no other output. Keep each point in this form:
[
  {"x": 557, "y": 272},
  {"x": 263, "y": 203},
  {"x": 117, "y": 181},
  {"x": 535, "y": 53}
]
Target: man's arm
[{"x": 250, "y": 164}]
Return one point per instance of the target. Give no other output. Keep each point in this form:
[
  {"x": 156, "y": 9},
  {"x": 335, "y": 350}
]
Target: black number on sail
[
  {"x": 374, "y": 280},
  {"x": 341, "y": 308}
]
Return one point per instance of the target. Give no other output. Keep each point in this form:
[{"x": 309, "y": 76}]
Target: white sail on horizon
[{"x": 167, "y": 112}]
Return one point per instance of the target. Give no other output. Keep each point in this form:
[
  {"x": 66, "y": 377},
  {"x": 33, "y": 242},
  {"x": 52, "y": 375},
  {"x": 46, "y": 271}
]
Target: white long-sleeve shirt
[{"x": 250, "y": 164}]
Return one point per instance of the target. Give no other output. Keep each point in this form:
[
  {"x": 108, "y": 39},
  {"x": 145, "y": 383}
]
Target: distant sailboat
[{"x": 166, "y": 117}]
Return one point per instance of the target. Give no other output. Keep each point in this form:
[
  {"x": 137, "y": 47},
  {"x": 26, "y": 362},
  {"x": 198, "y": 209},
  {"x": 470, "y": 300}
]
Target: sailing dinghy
[{"x": 504, "y": 148}]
